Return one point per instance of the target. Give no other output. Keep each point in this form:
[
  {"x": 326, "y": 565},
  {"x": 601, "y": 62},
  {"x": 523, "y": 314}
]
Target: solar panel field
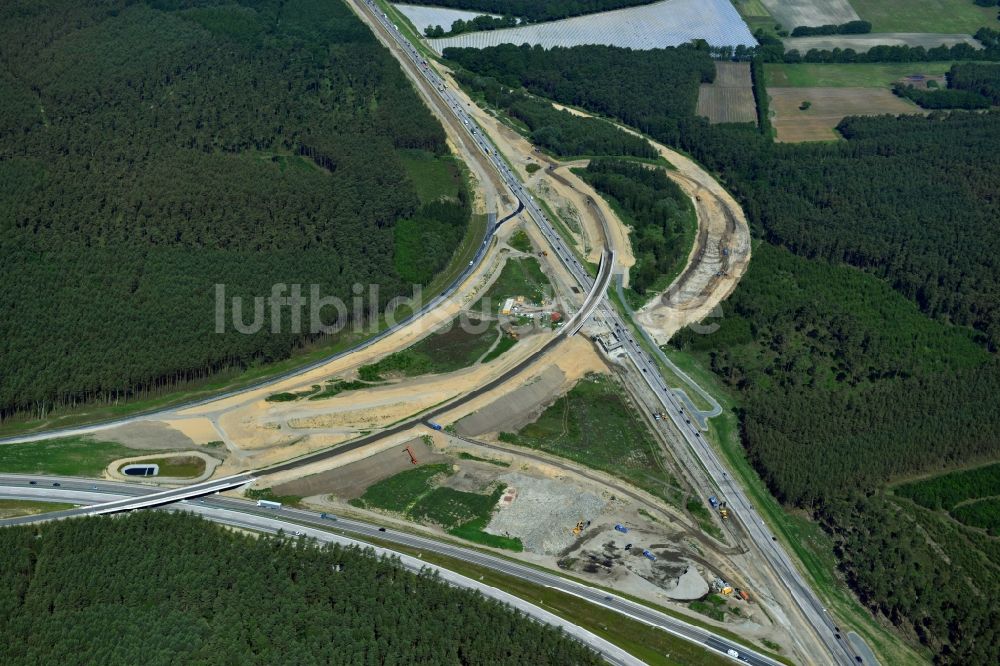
[
  {"x": 654, "y": 26},
  {"x": 423, "y": 17}
]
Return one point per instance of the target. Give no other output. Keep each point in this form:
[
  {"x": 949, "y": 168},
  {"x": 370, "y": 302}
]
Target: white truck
[{"x": 268, "y": 504}]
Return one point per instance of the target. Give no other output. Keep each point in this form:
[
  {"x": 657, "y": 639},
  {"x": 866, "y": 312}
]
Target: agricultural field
[
  {"x": 661, "y": 24},
  {"x": 729, "y": 99},
  {"x": 794, "y": 13},
  {"x": 67, "y": 456},
  {"x": 827, "y": 107},
  {"x": 860, "y": 75},
  {"x": 595, "y": 425},
  {"x": 962, "y": 16},
  {"x": 455, "y": 347},
  {"x": 862, "y": 43}
]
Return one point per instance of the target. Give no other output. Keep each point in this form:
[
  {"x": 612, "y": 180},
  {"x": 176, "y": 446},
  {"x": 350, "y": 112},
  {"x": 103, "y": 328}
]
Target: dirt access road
[{"x": 717, "y": 261}]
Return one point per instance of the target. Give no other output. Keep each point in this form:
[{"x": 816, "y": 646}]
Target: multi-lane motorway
[
  {"x": 120, "y": 493},
  {"x": 838, "y": 648}
]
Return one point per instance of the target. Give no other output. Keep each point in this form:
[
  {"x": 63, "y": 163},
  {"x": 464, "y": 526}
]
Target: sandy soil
[
  {"x": 828, "y": 107},
  {"x": 710, "y": 274},
  {"x": 148, "y": 435}
]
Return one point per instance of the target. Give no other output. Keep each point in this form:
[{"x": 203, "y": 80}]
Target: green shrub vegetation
[
  {"x": 947, "y": 490},
  {"x": 468, "y": 456},
  {"x": 660, "y": 214},
  {"x": 266, "y": 599},
  {"x": 861, "y": 344},
  {"x": 150, "y": 150},
  {"x": 442, "y": 351},
  {"x": 182, "y": 467},
  {"x": 463, "y": 514},
  {"x": 66, "y": 456},
  {"x": 560, "y": 132},
  {"x": 505, "y": 343},
  {"x": 594, "y": 425},
  {"x": 13, "y": 508},
  {"x": 399, "y": 492},
  {"x": 519, "y": 277},
  {"x": 520, "y": 241},
  {"x": 984, "y": 513}
]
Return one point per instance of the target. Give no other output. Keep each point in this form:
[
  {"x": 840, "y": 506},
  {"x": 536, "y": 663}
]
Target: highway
[
  {"x": 121, "y": 493},
  {"x": 839, "y": 649}
]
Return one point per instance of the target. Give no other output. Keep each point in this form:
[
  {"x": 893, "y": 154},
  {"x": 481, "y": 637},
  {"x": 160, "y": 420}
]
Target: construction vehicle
[
  {"x": 648, "y": 555},
  {"x": 621, "y": 528},
  {"x": 579, "y": 528},
  {"x": 413, "y": 458},
  {"x": 743, "y": 595},
  {"x": 714, "y": 501},
  {"x": 724, "y": 513},
  {"x": 726, "y": 591},
  {"x": 697, "y": 197}
]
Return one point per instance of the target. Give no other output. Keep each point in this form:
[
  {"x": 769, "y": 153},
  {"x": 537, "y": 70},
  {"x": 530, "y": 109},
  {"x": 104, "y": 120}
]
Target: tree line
[
  {"x": 772, "y": 49},
  {"x": 660, "y": 214},
  {"x": 970, "y": 86},
  {"x": 149, "y": 150},
  {"x": 477, "y": 23},
  {"x": 170, "y": 588},
  {"x": 560, "y": 132},
  {"x": 862, "y": 341}
]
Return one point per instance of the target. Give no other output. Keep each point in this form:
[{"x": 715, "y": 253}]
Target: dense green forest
[
  {"x": 970, "y": 86},
  {"x": 862, "y": 340},
  {"x": 559, "y": 132},
  {"x": 533, "y": 10},
  {"x": 149, "y": 150},
  {"x": 171, "y": 588},
  {"x": 660, "y": 214}
]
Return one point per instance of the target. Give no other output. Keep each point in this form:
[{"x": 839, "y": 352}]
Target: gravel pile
[{"x": 544, "y": 513}]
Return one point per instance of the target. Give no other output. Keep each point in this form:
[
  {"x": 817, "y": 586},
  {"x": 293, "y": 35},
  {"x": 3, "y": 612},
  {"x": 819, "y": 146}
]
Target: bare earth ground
[
  {"x": 794, "y": 13},
  {"x": 829, "y": 107},
  {"x": 148, "y": 435},
  {"x": 729, "y": 99},
  {"x": 349, "y": 481},
  {"x": 862, "y": 43},
  {"x": 710, "y": 274}
]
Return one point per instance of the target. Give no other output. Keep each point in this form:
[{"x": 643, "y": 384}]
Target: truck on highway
[
  {"x": 268, "y": 504},
  {"x": 733, "y": 653}
]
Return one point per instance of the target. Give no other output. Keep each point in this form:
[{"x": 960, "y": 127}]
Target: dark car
[
  {"x": 57, "y": 484},
  {"x": 381, "y": 529},
  {"x": 32, "y": 483}
]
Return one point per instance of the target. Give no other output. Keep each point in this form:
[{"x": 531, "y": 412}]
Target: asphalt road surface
[
  {"x": 243, "y": 513},
  {"x": 840, "y": 650}
]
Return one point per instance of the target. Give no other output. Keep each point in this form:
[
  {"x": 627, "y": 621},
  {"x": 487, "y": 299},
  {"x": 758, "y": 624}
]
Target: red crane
[{"x": 413, "y": 458}]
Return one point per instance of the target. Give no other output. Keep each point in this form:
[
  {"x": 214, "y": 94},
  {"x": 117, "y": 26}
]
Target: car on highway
[
  {"x": 381, "y": 529},
  {"x": 32, "y": 483},
  {"x": 56, "y": 484}
]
